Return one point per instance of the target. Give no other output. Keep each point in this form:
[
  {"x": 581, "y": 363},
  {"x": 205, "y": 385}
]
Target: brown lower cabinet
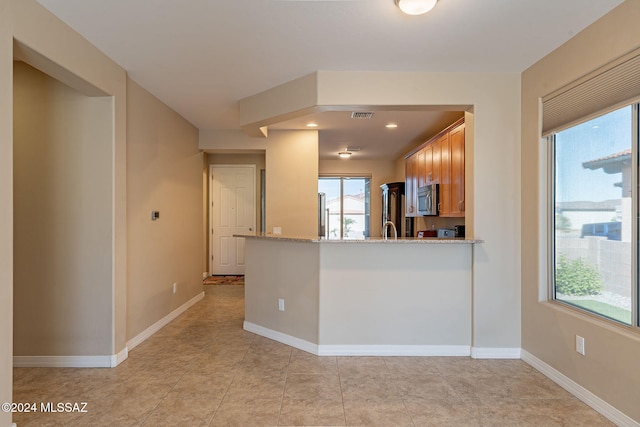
[{"x": 438, "y": 161}]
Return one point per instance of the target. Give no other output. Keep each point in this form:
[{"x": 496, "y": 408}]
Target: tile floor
[{"x": 203, "y": 370}]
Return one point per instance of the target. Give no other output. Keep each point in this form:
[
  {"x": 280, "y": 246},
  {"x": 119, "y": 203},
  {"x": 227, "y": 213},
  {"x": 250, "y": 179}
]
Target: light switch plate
[{"x": 580, "y": 345}]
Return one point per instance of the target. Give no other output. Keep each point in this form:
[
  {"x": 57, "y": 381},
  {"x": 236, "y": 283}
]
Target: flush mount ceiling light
[
  {"x": 312, "y": 125},
  {"x": 391, "y": 125},
  {"x": 416, "y": 7},
  {"x": 344, "y": 154}
]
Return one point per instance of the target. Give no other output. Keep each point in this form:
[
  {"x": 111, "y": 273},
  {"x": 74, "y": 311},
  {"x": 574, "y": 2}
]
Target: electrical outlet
[
  {"x": 281, "y": 304},
  {"x": 580, "y": 345},
  {"x": 175, "y": 288},
  {"x": 277, "y": 230}
]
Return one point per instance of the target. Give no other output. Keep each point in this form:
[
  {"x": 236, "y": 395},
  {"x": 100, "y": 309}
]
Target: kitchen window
[
  {"x": 592, "y": 127},
  {"x": 347, "y": 204}
]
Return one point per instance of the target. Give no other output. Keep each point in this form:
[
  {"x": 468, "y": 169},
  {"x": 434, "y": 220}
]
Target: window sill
[{"x": 632, "y": 332}]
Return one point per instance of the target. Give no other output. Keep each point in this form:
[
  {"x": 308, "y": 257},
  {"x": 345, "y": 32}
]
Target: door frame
[{"x": 210, "y": 205}]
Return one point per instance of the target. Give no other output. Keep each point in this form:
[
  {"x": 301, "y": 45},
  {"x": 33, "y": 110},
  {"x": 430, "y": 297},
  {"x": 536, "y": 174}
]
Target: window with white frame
[
  {"x": 347, "y": 202},
  {"x": 592, "y": 129}
]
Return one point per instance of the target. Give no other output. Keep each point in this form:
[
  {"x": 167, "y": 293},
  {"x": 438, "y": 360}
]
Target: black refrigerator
[{"x": 393, "y": 206}]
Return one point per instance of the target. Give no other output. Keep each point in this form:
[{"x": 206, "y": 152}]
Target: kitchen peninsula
[{"x": 361, "y": 297}]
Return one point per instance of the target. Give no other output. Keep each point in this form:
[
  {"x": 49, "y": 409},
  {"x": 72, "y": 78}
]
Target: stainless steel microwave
[{"x": 428, "y": 200}]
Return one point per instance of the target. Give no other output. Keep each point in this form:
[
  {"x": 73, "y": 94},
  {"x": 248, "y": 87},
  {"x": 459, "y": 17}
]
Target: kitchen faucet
[{"x": 385, "y": 228}]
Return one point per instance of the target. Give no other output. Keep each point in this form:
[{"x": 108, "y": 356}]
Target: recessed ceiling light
[
  {"x": 344, "y": 154},
  {"x": 312, "y": 125},
  {"x": 391, "y": 125}
]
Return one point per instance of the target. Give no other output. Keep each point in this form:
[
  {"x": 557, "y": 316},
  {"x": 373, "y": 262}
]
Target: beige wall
[
  {"x": 164, "y": 173},
  {"x": 293, "y": 275},
  {"x": 62, "y": 219},
  {"x": 380, "y": 171},
  {"x": 6, "y": 209},
  {"x": 291, "y": 165},
  {"x": 292, "y": 182},
  {"x": 610, "y": 367},
  {"x": 424, "y": 300},
  {"x": 205, "y": 214}
]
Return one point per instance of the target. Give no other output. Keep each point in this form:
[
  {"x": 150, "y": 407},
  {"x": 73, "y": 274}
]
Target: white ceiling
[{"x": 201, "y": 56}]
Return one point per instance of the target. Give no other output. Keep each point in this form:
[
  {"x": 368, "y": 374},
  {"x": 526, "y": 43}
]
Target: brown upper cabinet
[
  {"x": 456, "y": 138},
  {"x": 438, "y": 161}
]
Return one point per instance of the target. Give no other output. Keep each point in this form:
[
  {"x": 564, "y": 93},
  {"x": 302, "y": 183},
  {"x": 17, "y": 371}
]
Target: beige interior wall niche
[
  {"x": 62, "y": 219},
  {"x": 380, "y": 171},
  {"x": 610, "y": 367},
  {"x": 292, "y": 182},
  {"x": 164, "y": 173},
  {"x": 61, "y": 52}
]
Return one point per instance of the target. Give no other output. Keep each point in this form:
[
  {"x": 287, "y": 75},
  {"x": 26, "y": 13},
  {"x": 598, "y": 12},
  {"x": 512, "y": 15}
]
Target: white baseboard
[
  {"x": 298, "y": 343},
  {"x": 495, "y": 353},
  {"x": 109, "y": 361},
  {"x": 122, "y": 355},
  {"x": 142, "y": 336},
  {"x": 358, "y": 350},
  {"x": 393, "y": 350},
  {"x": 63, "y": 361},
  {"x": 608, "y": 411}
]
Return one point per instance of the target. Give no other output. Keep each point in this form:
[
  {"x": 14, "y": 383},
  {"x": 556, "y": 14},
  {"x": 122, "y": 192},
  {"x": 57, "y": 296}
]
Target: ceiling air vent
[{"x": 361, "y": 115}]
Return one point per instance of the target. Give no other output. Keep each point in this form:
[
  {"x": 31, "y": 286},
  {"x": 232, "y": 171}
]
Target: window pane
[
  {"x": 355, "y": 208},
  {"x": 333, "y": 207},
  {"x": 593, "y": 215}
]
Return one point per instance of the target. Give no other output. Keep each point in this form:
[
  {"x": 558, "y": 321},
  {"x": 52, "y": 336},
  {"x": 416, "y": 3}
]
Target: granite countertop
[{"x": 373, "y": 240}]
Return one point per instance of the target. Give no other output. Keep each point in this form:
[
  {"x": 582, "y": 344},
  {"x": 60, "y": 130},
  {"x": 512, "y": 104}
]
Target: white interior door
[{"x": 233, "y": 211}]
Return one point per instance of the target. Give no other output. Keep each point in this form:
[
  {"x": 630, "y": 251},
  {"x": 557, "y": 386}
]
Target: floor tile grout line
[{"x": 344, "y": 410}]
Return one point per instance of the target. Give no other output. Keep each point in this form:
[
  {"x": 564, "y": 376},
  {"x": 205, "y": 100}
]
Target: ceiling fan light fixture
[
  {"x": 416, "y": 7},
  {"x": 344, "y": 154}
]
